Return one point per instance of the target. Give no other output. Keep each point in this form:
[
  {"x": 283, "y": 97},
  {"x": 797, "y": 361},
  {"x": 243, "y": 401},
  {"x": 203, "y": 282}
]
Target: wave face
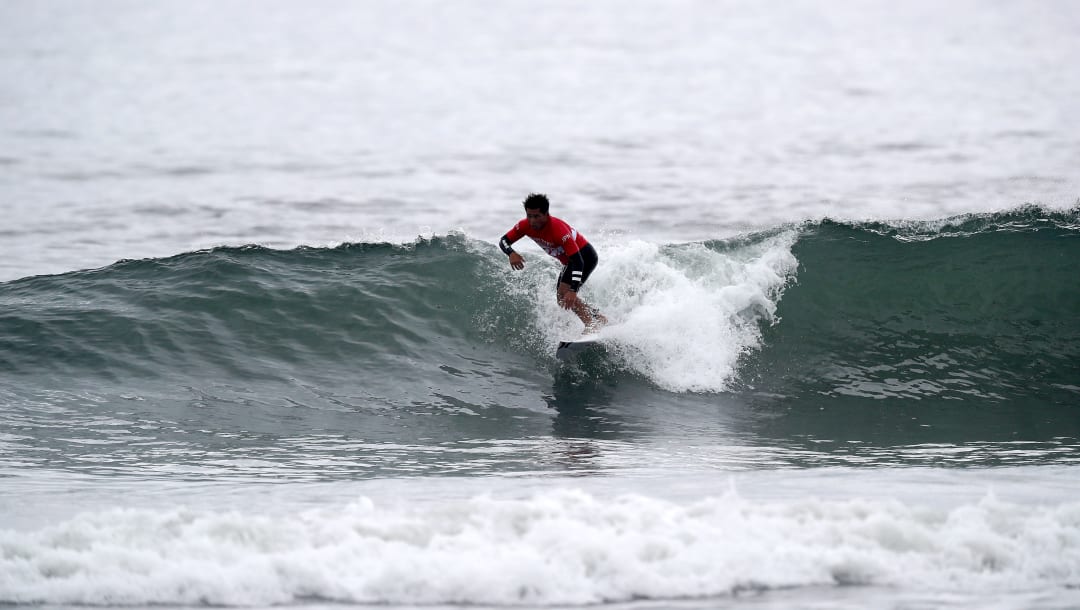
[
  {"x": 984, "y": 308},
  {"x": 980, "y": 307},
  {"x": 389, "y": 316},
  {"x": 245, "y": 312}
]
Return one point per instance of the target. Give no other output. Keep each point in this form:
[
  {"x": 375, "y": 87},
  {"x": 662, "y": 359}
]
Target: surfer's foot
[{"x": 598, "y": 322}]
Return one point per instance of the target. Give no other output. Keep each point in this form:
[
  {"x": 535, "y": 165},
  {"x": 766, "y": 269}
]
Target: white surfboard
[{"x": 569, "y": 349}]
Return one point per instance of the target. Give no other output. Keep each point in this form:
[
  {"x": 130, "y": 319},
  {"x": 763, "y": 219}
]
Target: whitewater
[{"x": 259, "y": 348}]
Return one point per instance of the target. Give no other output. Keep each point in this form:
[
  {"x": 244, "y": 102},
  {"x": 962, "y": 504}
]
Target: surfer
[{"x": 563, "y": 242}]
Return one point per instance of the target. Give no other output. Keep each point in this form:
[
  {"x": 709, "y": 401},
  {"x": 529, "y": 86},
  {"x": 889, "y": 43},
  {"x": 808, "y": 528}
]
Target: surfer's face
[{"x": 537, "y": 219}]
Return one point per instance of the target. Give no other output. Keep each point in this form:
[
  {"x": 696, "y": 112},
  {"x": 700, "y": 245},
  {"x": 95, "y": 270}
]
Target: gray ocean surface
[{"x": 258, "y": 347}]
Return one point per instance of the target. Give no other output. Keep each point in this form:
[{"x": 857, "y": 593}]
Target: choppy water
[{"x": 258, "y": 348}]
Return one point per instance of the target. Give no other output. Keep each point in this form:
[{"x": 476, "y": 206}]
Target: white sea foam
[
  {"x": 555, "y": 547},
  {"x": 681, "y": 314}
]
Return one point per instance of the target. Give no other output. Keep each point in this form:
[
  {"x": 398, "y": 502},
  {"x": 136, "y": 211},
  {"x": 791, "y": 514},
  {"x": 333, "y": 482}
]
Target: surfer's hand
[{"x": 516, "y": 261}]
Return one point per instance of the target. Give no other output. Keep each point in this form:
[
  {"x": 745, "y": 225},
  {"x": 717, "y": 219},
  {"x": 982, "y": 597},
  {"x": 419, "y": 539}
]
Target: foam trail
[
  {"x": 556, "y": 547},
  {"x": 682, "y": 315}
]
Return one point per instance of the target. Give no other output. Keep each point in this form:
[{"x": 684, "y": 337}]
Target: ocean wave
[
  {"x": 553, "y": 548},
  {"x": 982, "y": 307}
]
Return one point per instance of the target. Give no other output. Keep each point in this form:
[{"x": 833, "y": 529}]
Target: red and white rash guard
[{"x": 556, "y": 238}]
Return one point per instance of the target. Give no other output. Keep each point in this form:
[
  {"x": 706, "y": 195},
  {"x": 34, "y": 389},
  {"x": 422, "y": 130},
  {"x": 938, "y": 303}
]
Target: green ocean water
[{"x": 964, "y": 331}]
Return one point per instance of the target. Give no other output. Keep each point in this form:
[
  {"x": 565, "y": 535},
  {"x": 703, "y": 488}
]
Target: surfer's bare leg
[{"x": 590, "y": 316}]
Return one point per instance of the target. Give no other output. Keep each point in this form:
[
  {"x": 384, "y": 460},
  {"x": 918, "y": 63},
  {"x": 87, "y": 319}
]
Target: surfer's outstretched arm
[{"x": 517, "y": 261}]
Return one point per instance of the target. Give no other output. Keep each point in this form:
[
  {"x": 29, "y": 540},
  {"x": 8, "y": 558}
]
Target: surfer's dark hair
[{"x": 537, "y": 201}]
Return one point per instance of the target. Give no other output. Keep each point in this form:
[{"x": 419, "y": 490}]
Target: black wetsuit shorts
[{"x": 589, "y": 254}]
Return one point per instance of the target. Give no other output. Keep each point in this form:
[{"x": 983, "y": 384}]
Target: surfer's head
[{"x": 536, "y": 210}]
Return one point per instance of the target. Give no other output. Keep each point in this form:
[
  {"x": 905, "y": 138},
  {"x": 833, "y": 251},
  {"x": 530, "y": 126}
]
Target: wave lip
[{"x": 555, "y": 548}]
